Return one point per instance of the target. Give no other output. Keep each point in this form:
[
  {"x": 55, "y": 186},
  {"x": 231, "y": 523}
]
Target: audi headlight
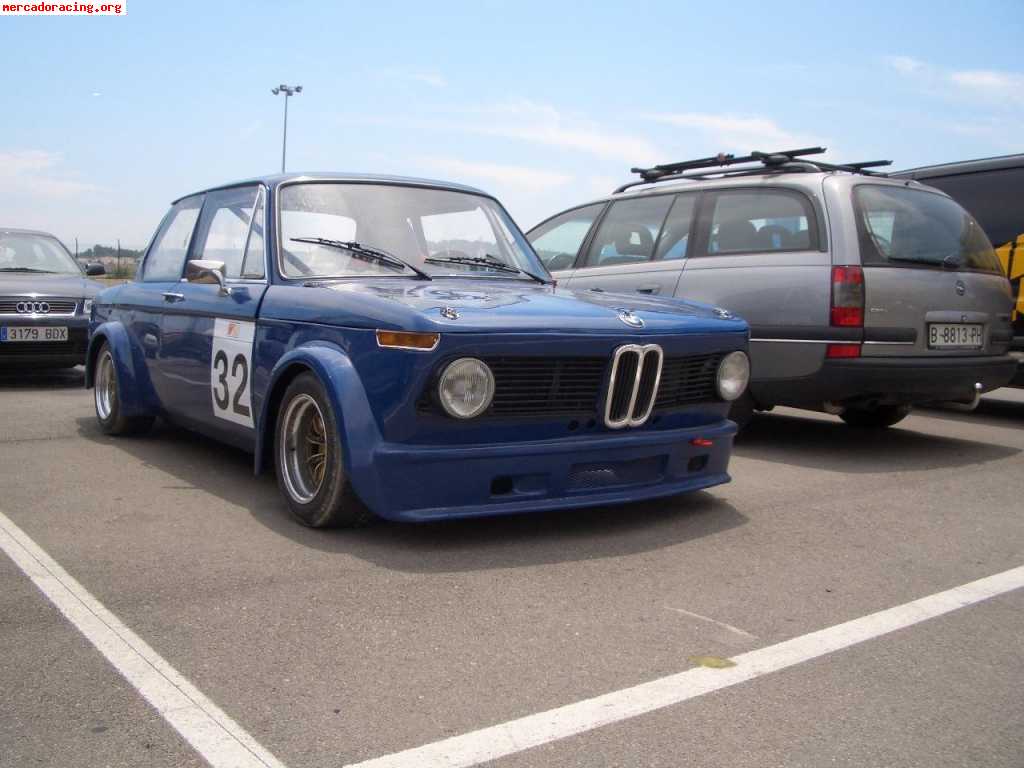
[
  {"x": 733, "y": 375},
  {"x": 87, "y": 307},
  {"x": 466, "y": 388}
]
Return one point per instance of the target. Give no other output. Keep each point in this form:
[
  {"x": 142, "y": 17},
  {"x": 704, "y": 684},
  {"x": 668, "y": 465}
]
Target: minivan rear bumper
[{"x": 890, "y": 379}]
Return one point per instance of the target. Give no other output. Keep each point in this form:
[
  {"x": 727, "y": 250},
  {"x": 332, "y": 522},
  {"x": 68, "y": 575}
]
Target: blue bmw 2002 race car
[{"x": 395, "y": 347}]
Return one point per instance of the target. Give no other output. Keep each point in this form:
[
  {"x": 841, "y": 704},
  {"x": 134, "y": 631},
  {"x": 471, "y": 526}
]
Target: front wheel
[
  {"x": 308, "y": 457},
  {"x": 107, "y": 398},
  {"x": 879, "y": 417}
]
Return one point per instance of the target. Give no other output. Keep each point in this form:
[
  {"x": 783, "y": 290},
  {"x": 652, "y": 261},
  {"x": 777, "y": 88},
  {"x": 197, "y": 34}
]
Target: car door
[
  {"x": 624, "y": 255},
  {"x": 209, "y": 331},
  {"x": 760, "y": 253},
  {"x": 558, "y": 240},
  {"x": 141, "y": 303}
]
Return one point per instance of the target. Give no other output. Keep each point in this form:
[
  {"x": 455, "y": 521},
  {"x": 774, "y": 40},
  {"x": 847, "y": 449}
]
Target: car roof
[
  {"x": 810, "y": 180},
  {"x": 21, "y": 231},
  {"x": 275, "y": 180},
  {"x": 963, "y": 166}
]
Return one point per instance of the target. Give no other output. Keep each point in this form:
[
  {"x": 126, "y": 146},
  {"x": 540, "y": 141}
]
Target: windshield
[
  {"x": 437, "y": 231},
  {"x": 26, "y": 252},
  {"x": 905, "y": 226}
]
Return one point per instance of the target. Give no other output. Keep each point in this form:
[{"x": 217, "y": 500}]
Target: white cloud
[
  {"x": 1007, "y": 86},
  {"x": 738, "y": 133},
  {"x": 905, "y": 65},
  {"x": 507, "y": 175},
  {"x": 544, "y": 124},
  {"x": 962, "y": 85},
  {"x": 31, "y": 173},
  {"x": 431, "y": 78}
]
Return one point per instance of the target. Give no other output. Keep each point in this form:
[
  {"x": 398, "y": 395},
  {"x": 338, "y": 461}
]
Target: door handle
[
  {"x": 171, "y": 297},
  {"x": 597, "y": 290},
  {"x": 648, "y": 289}
]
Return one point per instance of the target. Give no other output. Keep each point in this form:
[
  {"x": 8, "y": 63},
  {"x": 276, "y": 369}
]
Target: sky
[{"x": 106, "y": 120}]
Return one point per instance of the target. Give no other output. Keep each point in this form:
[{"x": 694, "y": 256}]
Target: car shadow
[
  {"x": 447, "y": 546},
  {"x": 990, "y": 412},
  {"x": 42, "y": 378},
  {"x": 831, "y": 445}
]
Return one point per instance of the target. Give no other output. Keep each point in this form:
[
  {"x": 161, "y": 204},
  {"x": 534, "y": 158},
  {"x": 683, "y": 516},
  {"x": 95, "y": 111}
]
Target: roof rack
[{"x": 786, "y": 161}]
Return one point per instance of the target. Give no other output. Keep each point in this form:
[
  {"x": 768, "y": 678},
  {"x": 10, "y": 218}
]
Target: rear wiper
[
  {"x": 485, "y": 261},
  {"x": 365, "y": 253},
  {"x": 27, "y": 269},
  {"x": 912, "y": 260},
  {"x": 953, "y": 260}
]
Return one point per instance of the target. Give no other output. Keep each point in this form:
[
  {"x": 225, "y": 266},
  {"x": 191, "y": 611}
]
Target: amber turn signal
[{"x": 404, "y": 340}]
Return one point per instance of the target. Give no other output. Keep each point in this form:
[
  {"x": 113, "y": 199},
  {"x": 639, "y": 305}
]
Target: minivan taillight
[{"x": 848, "y": 297}]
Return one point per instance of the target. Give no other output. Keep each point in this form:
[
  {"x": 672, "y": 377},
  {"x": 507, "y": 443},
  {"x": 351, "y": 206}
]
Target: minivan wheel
[
  {"x": 879, "y": 417},
  {"x": 308, "y": 458}
]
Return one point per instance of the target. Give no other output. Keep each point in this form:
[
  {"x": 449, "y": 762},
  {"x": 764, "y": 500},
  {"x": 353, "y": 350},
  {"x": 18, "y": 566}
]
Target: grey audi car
[
  {"x": 45, "y": 301},
  {"x": 865, "y": 294}
]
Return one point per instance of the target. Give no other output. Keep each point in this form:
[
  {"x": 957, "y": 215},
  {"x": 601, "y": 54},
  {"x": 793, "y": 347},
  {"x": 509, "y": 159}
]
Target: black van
[{"x": 992, "y": 190}]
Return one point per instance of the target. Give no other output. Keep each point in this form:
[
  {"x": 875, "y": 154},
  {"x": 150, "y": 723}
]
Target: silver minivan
[{"x": 864, "y": 294}]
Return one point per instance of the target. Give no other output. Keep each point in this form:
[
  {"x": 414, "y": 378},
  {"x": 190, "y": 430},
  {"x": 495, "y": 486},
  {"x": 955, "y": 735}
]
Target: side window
[
  {"x": 759, "y": 221},
  {"x": 224, "y": 227},
  {"x": 628, "y": 231},
  {"x": 558, "y": 241},
  {"x": 166, "y": 258},
  {"x": 254, "y": 265},
  {"x": 675, "y": 235}
]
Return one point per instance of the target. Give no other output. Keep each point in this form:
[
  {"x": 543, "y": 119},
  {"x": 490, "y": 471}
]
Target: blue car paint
[{"x": 405, "y": 464}]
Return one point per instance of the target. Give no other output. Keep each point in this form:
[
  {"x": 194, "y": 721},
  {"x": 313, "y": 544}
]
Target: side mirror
[
  {"x": 206, "y": 271},
  {"x": 95, "y": 270}
]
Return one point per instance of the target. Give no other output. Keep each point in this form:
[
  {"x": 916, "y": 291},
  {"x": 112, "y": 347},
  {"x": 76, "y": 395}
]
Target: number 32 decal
[{"x": 230, "y": 370}]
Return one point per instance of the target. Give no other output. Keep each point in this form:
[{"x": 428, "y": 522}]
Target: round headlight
[
  {"x": 733, "y": 375},
  {"x": 466, "y": 388}
]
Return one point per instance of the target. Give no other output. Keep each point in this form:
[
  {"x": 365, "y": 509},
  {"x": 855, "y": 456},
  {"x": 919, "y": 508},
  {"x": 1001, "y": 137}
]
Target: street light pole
[{"x": 287, "y": 90}]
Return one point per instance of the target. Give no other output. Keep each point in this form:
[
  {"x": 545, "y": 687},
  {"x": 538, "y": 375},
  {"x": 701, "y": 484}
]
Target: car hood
[
  {"x": 29, "y": 284},
  {"x": 494, "y": 306}
]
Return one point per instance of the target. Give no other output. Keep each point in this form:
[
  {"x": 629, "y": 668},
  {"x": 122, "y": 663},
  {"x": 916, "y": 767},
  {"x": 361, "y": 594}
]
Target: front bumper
[
  {"x": 419, "y": 483},
  {"x": 890, "y": 380},
  {"x": 46, "y": 354}
]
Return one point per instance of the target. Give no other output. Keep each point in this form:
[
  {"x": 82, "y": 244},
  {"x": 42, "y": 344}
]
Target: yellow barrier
[{"x": 1011, "y": 256}]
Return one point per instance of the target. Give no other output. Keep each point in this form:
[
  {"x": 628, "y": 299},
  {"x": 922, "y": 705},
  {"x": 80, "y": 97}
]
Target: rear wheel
[
  {"x": 107, "y": 398},
  {"x": 879, "y": 417},
  {"x": 308, "y": 457}
]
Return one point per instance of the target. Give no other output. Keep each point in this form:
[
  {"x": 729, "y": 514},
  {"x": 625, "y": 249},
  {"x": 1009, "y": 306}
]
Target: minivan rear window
[{"x": 899, "y": 226}]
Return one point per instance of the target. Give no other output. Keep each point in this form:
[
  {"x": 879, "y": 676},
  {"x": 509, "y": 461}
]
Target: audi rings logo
[{"x": 32, "y": 308}]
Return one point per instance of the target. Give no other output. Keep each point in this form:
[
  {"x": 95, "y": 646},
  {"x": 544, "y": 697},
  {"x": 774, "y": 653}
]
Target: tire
[
  {"x": 742, "y": 410},
  {"x": 107, "y": 399},
  {"x": 879, "y": 417},
  {"x": 317, "y": 490}
]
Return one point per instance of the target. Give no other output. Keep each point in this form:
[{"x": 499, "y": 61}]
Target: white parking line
[
  {"x": 220, "y": 741},
  {"x": 517, "y": 735}
]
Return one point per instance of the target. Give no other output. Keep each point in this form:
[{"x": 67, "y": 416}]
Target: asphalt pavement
[{"x": 338, "y": 647}]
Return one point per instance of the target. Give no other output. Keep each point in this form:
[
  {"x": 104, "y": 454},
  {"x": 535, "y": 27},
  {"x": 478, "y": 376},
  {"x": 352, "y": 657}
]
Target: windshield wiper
[
  {"x": 484, "y": 261},
  {"x": 365, "y": 253},
  {"x": 28, "y": 269}
]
